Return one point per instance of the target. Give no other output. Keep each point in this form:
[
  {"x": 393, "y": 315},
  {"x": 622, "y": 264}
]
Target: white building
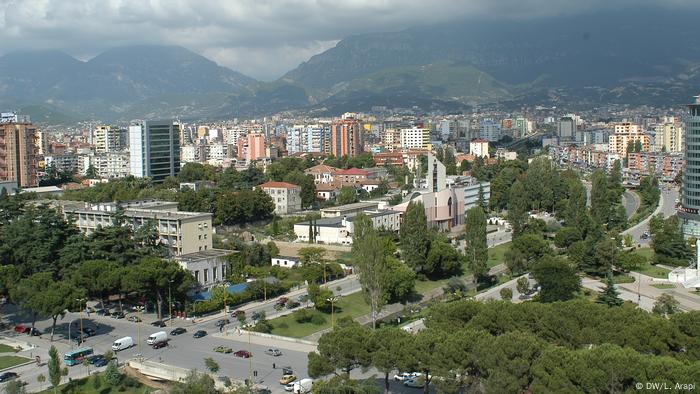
[
  {"x": 106, "y": 139},
  {"x": 208, "y": 267},
  {"x": 285, "y": 262},
  {"x": 339, "y": 230},
  {"x": 479, "y": 148},
  {"x": 286, "y": 196},
  {"x": 415, "y": 138},
  {"x": 189, "y": 154},
  {"x": 490, "y": 130},
  {"x": 67, "y": 162},
  {"x": 111, "y": 164}
]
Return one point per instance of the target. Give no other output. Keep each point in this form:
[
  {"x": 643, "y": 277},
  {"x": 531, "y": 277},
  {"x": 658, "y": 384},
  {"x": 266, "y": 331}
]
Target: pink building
[{"x": 251, "y": 147}]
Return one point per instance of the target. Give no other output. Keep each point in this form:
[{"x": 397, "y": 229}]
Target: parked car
[
  {"x": 279, "y": 307},
  {"x": 256, "y": 315},
  {"x": 287, "y": 379},
  {"x": 237, "y": 313},
  {"x": 20, "y": 329},
  {"x": 178, "y": 331},
  {"x": 289, "y": 386},
  {"x": 35, "y": 332},
  {"x": 293, "y": 304},
  {"x": 160, "y": 344},
  {"x": 102, "y": 312},
  {"x": 7, "y": 376},
  {"x": 118, "y": 315},
  {"x": 243, "y": 354},
  {"x": 282, "y": 300},
  {"x": 158, "y": 323},
  {"x": 134, "y": 319},
  {"x": 97, "y": 359},
  {"x": 417, "y": 382},
  {"x": 303, "y": 298},
  {"x": 200, "y": 334},
  {"x": 273, "y": 352},
  {"x": 223, "y": 349},
  {"x": 89, "y": 331},
  {"x": 404, "y": 376}
]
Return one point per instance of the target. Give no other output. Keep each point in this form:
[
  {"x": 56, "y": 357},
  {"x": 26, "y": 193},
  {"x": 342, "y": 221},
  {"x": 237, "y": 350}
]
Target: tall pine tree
[
  {"x": 414, "y": 236},
  {"x": 476, "y": 249},
  {"x": 610, "y": 295},
  {"x": 517, "y": 207}
]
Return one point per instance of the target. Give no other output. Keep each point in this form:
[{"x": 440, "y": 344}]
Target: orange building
[
  {"x": 18, "y": 152},
  {"x": 251, "y": 147},
  {"x": 347, "y": 137},
  {"x": 626, "y": 133}
]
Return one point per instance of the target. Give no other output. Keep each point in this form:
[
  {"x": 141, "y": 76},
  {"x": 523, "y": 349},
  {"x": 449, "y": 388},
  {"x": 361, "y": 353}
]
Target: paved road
[
  {"x": 631, "y": 202},
  {"x": 667, "y": 207}
]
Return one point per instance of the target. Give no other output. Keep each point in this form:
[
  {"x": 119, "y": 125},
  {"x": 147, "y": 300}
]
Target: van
[
  {"x": 160, "y": 336},
  {"x": 302, "y": 386},
  {"x": 122, "y": 344}
]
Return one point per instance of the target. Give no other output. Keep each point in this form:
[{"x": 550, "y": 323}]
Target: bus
[{"x": 77, "y": 356}]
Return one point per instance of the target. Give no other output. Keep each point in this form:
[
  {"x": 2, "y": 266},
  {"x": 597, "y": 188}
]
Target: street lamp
[
  {"x": 170, "y": 303},
  {"x": 80, "y": 305},
  {"x": 333, "y": 300}
]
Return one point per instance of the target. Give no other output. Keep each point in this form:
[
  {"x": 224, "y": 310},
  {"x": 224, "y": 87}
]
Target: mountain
[
  {"x": 643, "y": 55},
  {"x": 124, "y": 83}
]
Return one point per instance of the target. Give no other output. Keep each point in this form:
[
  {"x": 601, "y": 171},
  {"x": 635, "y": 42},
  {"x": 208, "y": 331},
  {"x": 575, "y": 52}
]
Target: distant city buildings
[
  {"x": 627, "y": 134},
  {"x": 415, "y": 138},
  {"x": 154, "y": 148},
  {"x": 347, "y": 137},
  {"x": 479, "y": 148}
]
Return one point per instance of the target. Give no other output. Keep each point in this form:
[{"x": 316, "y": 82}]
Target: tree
[
  {"x": 525, "y": 251},
  {"x": 112, "y": 374},
  {"x": 666, "y": 305},
  {"x": 307, "y": 185},
  {"x": 610, "y": 296},
  {"x": 15, "y": 386},
  {"x": 600, "y": 198},
  {"x": 195, "y": 383},
  {"x": 54, "y": 368},
  {"x": 155, "y": 277},
  {"x": 41, "y": 379},
  {"x": 345, "y": 348},
  {"x": 630, "y": 261},
  {"x": 517, "y": 208},
  {"x": 211, "y": 365},
  {"x": 558, "y": 279},
  {"x": 522, "y": 285},
  {"x": 506, "y": 293},
  {"x": 400, "y": 281},
  {"x": 369, "y": 253},
  {"x": 314, "y": 255},
  {"x": 91, "y": 172},
  {"x": 389, "y": 345},
  {"x": 347, "y": 195},
  {"x": 414, "y": 236},
  {"x": 476, "y": 249},
  {"x": 669, "y": 245},
  {"x": 481, "y": 200},
  {"x": 443, "y": 259}
]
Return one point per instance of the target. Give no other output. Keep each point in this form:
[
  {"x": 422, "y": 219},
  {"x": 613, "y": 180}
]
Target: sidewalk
[{"x": 643, "y": 284}]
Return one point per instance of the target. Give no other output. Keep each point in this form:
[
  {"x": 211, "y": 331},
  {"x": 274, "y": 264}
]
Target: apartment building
[
  {"x": 154, "y": 148},
  {"x": 626, "y": 133},
  {"x": 19, "y": 156},
  {"x": 415, "y": 138},
  {"x": 347, "y": 137},
  {"x": 286, "y": 196}
]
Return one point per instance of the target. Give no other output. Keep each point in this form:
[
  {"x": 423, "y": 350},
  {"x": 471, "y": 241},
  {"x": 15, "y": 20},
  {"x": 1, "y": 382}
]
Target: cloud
[{"x": 261, "y": 38}]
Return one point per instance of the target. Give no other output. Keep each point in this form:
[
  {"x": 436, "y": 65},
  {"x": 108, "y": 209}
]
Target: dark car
[
  {"x": 35, "y": 332},
  {"x": 98, "y": 359},
  {"x": 178, "y": 331},
  {"x": 158, "y": 323},
  {"x": 243, "y": 354},
  {"x": 256, "y": 316},
  {"x": 118, "y": 315},
  {"x": 102, "y": 312},
  {"x": 200, "y": 334},
  {"x": 134, "y": 319},
  {"x": 237, "y": 313},
  {"x": 222, "y": 322},
  {"x": 293, "y": 304},
  {"x": 160, "y": 344},
  {"x": 7, "y": 376},
  {"x": 89, "y": 331},
  {"x": 282, "y": 300}
]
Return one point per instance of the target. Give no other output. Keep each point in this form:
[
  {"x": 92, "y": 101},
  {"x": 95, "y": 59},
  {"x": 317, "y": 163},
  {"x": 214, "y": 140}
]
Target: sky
[{"x": 260, "y": 38}]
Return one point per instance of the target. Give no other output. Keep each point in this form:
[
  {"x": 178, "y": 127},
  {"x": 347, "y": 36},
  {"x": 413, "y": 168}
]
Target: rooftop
[
  {"x": 277, "y": 185},
  {"x": 321, "y": 168},
  {"x": 353, "y": 206},
  {"x": 204, "y": 254},
  {"x": 351, "y": 171}
]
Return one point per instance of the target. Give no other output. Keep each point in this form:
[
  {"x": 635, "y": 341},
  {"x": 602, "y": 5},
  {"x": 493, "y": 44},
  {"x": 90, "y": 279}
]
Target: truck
[
  {"x": 303, "y": 386},
  {"x": 122, "y": 343},
  {"x": 160, "y": 336}
]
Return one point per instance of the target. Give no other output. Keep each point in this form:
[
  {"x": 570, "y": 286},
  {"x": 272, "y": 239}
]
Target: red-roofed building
[
  {"x": 286, "y": 196},
  {"x": 321, "y": 173},
  {"x": 349, "y": 177}
]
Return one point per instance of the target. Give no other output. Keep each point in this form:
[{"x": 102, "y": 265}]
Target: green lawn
[
  {"x": 664, "y": 286},
  {"x": 11, "y": 361},
  {"x": 423, "y": 286},
  {"x": 89, "y": 386},
  {"x": 353, "y": 306},
  {"x": 647, "y": 268},
  {"x": 623, "y": 279},
  {"x": 496, "y": 254},
  {"x": 6, "y": 348}
]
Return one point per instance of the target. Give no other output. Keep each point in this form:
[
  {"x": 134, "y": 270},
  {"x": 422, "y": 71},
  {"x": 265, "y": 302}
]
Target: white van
[
  {"x": 160, "y": 336},
  {"x": 122, "y": 343},
  {"x": 303, "y": 386}
]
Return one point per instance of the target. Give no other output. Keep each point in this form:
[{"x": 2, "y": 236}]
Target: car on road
[
  {"x": 282, "y": 300},
  {"x": 200, "y": 334},
  {"x": 303, "y": 298},
  {"x": 289, "y": 386},
  {"x": 20, "y": 329},
  {"x": 101, "y": 312},
  {"x": 160, "y": 344},
  {"x": 237, "y": 313},
  {"x": 404, "y": 376},
  {"x": 279, "y": 307},
  {"x": 286, "y": 379},
  {"x": 273, "y": 352},
  {"x": 158, "y": 323},
  {"x": 293, "y": 304},
  {"x": 178, "y": 331},
  {"x": 89, "y": 331},
  {"x": 243, "y": 354},
  {"x": 98, "y": 359},
  {"x": 134, "y": 319},
  {"x": 118, "y": 315},
  {"x": 256, "y": 316},
  {"x": 7, "y": 376},
  {"x": 222, "y": 322},
  {"x": 223, "y": 349}
]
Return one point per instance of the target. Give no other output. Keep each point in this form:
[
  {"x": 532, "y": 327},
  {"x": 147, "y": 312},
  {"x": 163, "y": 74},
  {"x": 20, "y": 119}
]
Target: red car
[
  {"x": 160, "y": 344},
  {"x": 243, "y": 354},
  {"x": 282, "y": 300},
  {"x": 22, "y": 329}
]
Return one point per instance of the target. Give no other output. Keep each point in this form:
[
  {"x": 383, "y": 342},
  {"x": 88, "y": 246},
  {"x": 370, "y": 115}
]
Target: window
[
  {"x": 196, "y": 275},
  {"x": 206, "y": 275},
  {"x": 213, "y": 274}
]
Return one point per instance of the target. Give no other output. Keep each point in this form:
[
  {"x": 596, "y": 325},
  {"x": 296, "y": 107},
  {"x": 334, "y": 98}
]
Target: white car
[
  {"x": 289, "y": 386},
  {"x": 415, "y": 382},
  {"x": 404, "y": 376}
]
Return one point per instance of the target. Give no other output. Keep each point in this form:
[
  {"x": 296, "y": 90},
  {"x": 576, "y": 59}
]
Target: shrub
[
  {"x": 317, "y": 319},
  {"x": 302, "y": 316}
]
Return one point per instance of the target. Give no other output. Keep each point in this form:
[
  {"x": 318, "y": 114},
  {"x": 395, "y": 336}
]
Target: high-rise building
[
  {"x": 566, "y": 128},
  {"x": 627, "y": 133},
  {"x": 106, "y": 139},
  {"x": 18, "y": 150},
  {"x": 415, "y": 138},
  {"x": 251, "y": 147},
  {"x": 669, "y": 135},
  {"x": 489, "y": 130},
  {"x": 347, "y": 137},
  {"x": 689, "y": 212},
  {"x": 154, "y": 148}
]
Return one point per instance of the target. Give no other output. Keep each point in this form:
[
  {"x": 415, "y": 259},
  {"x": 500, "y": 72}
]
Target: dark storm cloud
[{"x": 262, "y": 38}]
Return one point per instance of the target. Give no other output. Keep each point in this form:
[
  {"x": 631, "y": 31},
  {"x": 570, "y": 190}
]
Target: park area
[{"x": 7, "y": 361}]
